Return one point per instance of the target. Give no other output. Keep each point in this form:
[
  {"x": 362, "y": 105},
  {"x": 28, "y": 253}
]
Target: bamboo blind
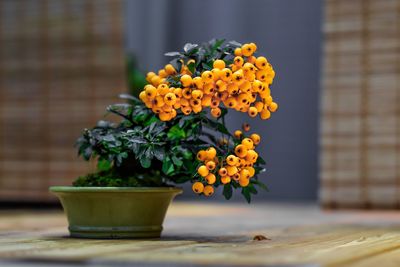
[
  {"x": 360, "y": 163},
  {"x": 61, "y": 63}
]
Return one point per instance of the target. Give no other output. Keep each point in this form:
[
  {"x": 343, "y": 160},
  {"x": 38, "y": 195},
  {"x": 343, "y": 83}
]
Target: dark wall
[{"x": 288, "y": 33}]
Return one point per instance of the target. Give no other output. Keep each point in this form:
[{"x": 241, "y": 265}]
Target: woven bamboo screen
[
  {"x": 360, "y": 165},
  {"x": 61, "y": 63}
]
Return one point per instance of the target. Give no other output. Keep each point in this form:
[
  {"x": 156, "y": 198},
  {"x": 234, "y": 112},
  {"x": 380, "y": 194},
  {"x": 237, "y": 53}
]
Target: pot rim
[{"x": 80, "y": 189}]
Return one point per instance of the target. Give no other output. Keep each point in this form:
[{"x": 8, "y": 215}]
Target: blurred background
[{"x": 335, "y": 138}]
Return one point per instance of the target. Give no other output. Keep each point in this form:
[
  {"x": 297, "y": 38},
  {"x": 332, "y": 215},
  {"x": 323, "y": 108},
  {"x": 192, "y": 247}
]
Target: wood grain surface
[{"x": 209, "y": 234}]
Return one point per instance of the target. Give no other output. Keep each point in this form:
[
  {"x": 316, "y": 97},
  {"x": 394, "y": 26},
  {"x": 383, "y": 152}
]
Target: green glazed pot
[{"x": 115, "y": 212}]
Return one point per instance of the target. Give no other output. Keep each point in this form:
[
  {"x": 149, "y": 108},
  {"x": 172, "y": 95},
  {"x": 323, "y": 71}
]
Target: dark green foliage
[{"x": 111, "y": 178}]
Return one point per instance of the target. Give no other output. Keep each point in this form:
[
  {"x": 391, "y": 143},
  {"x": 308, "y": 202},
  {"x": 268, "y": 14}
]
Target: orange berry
[
  {"x": 203, "y": 171},
  {"x": 232, "y": 88},
  {"x": 195, "y": 102},
  {"x": 155, "y": 80},
  {"x": 207, "y": 76},
  {"x": 232, "y": 160},
  {"x": 198, "y": 187},
  {"x": 236, "y": 176},
  {"x": 216, "y": 73},
  {"x": 169, "y": 69},
  {"x": 184, "y": 102},
  {"x": 163, "y": 89},
  {"x": 238, "y": 51},
  {"x": 251, "y": 170},
  {"x": 251, "y": 156},
  {"x": 159, "y": 101},
  {"x": 231, "y": 102},
  {"x": 211, "y": 153},
  {"x": 187, "y": 93},
  {"x": 208, "y": 190},
  {"x": 273, "y": 107},
  {"x": 248, "y": 67},
  {"x": 197, "y": 109},
  {"x": 220, "y": 85},
  {"x": 186, "y": 110},
  {"x": 237, "y": 76},
  {"x": 252, "y": 112},
  {"x": 208, "y": 88},
  {"x": 244, "y": 182},
  {"x": 259, "y": 106},
  {"x": 245, "y": 174},
  {"x": 238, "y": 134},
  {"x": 170, "y": 99},
  {"x": 245, "y": 86},
  {"x": 151, "y": 91},
  {"x": 247, "y": 50},
  {"x": 238, "y": 61},
  {"x": 219, "y": 64},
  {"x": 255, "y": 138},
  {"x": 257, "y": 86},
  {"x": 261, "y": 63},
  {"x": 248, "y": 143},
  {"x": 186, "y": 80},
  {"x": 241, "y": 151},
  {"x": 162, "y": 73},
  {"x": 226, "y": 75},
  {"x": 265, "y": 114},
  {"x": 216, "y": 112},
  {"x": 261, "y": 75},
  {"x": 231, "y": 170},
  {"x": 202, "y": 155},
  {"x": 210, "y": 178},
  {"x": 206, "y": 101},
  {"x": 197, "y": 94},
  {"x": 225, "y": 179},
  {"x": 198, "y": 82},
  {"x": 251, "y": 59},
  {"x": 149, "y": 76},
  {"x": 178, "y": 92},
  {"x": 214, "y": 102},
  {"x": 223, "y": 171},
  {"x": 210, "y": 165},
  {"x": 246, "y": 127},
  {"x": 268, "y": 100},
  {"x": 253, "y": 46},
  {"x": 164, "y": 116}
]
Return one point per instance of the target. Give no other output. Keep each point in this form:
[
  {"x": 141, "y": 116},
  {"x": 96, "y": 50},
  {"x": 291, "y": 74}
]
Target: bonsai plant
[{"x": 170, "y": 133}]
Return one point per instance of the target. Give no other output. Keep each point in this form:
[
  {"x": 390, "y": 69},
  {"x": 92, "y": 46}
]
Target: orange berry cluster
[
  {"x": 243, "y": 86},
  {"x": 237, "y": 167}
]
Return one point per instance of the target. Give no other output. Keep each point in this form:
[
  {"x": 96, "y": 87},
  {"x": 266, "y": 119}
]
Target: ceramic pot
[{"x": 115, "y": 212}]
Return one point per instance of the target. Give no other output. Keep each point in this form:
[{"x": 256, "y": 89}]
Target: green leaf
[
  {"x": 252, "y": 189},
  {"x": 172, "y": 54},
  {"x": 260, "y": 184},
  {"x": 177, "y": 161},
  {"x": 159, "y": 152},
  {"x": 168, "y": 166},
  {"x": 191, "y": 67},
  {"x": 189, "y": 47},
  {"x": 260, "y": 160},
  {"x": 103, "y": 165},
  {"x": 176, "y": 133},
  {"x": 246, "y": 194},
  {"x": 227, "y": 191},
  {"x": 145, "y": 158}
]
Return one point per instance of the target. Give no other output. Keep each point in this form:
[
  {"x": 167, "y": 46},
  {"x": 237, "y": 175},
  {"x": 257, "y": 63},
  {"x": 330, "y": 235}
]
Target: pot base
[
  {"x": 115, "y": 232},
  {"x": 115, "y": 212}
]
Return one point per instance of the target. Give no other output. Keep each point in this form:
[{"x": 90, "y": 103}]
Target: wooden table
[{"x": 211, "y": 234}]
